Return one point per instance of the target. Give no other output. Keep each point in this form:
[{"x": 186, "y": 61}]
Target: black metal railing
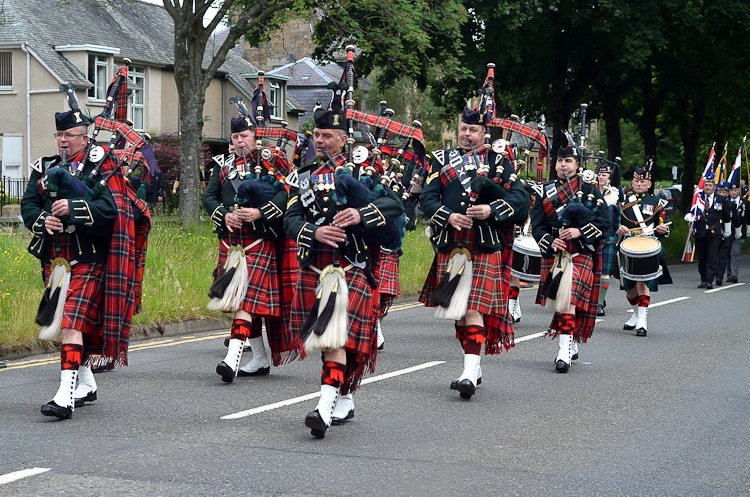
[{"x": 11, "y": 190}]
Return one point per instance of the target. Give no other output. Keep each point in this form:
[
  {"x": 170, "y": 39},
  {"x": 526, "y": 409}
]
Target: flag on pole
[
  {"x": 696, "y": 208},
  {"x": 734, "y": 176},
  {"x": 721, "y": 169}
]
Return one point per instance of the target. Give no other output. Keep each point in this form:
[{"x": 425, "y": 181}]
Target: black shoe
[
  {"x": 628, "y": 327},
  {"x": 226, "y": 342},
  {"x": 702, "y": 285},
  {"x": 316, "y": 424},
  {"x": 709, "y": 286},
  {"x": 52, "y": 409},
  {"x": 467, "y": 388},
  {"x": 733, "y": 279},
  {"x": 259, "y": 372},
  {"x": 227, "y": 373},
  {"x": 719, "y": 282},
  {"x": 90, "y": 397},
  {"x": 454, "y": 383},
  {"x": 641, "y": 332},
  {"x": 600, "y": 310},
  {"x": 340, "y": 421},
  {"x": 246, "y": 348},
  {"x": 604, "y": 304},
  {"x": 381, "y": 346},
  {"x": 562, "y": 366}
]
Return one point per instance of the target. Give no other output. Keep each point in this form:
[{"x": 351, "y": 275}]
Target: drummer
[{"x": 642, "y": 214}]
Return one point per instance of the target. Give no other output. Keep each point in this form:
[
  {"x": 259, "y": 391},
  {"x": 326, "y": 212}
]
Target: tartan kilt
[
  {"x": 489, "y": 288},
  {"x": 387, "y": 273},
  {"x": 361, "y": 347},
  {"x": 84, "y": 299},
  {"x": 263, "y": 293},
  {"x": 584, "y": 293},
  {"x": 609, "y": 256},
  {"x": 285, "y": 345}
]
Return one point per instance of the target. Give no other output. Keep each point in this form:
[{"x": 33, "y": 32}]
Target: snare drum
[
  {"x": 527, "y": 259},
  {"x": 639, "y": 258}
]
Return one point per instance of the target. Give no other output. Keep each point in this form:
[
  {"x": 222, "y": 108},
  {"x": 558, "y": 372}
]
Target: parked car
[{"x": 672, "y": 195}]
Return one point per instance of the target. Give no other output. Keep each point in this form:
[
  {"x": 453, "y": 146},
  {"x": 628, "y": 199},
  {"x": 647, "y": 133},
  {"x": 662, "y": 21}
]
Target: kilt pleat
[
  {"x": 361, "y": 346},
  {"x": 489, "y": 288},
  {"x": 584, "y": 292},
  {"x": 84, "y": 301},
  {"x": 285, "y": 345},
  {"x": 263, "y": 292}
]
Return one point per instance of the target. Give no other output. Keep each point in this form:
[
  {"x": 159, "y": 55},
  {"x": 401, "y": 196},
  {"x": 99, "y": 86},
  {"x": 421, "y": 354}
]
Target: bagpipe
[
  {"x": 576, "y": 213},
  {"x": 60, "y": 183}
]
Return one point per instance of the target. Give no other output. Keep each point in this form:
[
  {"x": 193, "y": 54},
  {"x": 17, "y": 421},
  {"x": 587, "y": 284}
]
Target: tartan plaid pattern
[
  {"x": 584, "y": 293},
  {"x": 609, "y": 256},
  {"x": 388, "y": 269},
  {"x": 134, "y": 138},
  {"x": 447, "y": 174},
  {"x": 362, "y": 345},
  {"x": 401, "y": 129},
  {"x": 276, "y": 132},
  {"x": 526, "y": 130},
  {"x": 84, "y": 299},
  {"x": 263, "y": 293},
  {"x": 121, "y": 99},
  {"x": 141, "y": 246},
  {"x": 120, "y": 282},
  {"x": 280, "y": 171},
  {"x": 489, "y": 289},
  {"x": 565, "y": 194},
  {"x": 285, "y": 345}
]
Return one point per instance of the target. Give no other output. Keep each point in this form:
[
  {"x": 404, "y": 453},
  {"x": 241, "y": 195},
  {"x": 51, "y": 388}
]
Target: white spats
[
  {"x": 234, "y": 353},
  {"x": 260, "y": 357},
  {"x": 471, "y": 368},
  {"x": 86, "y": 383},
  {"x": 642, "y": 322},
  {"x": 564, "y": 349},
  {"x": 630, "y": 324},
  {"x": 381, "y": 338},
  {"x": 64, "y": 395},
  {"x": 514, "y": 308},
  {"x": 344, "y": 409}
]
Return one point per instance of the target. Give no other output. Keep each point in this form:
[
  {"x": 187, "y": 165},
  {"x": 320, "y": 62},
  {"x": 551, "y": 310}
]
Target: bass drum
[
  {"x": 527, "y": 259},
  {"x": 639, "y": 258}
]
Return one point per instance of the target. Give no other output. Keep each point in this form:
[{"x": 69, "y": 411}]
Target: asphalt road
[{"x": 663, "y": 415}]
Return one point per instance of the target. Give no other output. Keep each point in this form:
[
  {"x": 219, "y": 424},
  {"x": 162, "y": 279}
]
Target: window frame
[
  {"x": 97, "y": 61},
  {"x": 10, "y": 67},
  {"x": 137, "y": 73},
  {"x": 275, "y": 94}
]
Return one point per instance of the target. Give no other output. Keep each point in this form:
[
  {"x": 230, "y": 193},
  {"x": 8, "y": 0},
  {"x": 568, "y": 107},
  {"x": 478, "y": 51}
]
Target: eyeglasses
[{"x": 68, "y": 136}]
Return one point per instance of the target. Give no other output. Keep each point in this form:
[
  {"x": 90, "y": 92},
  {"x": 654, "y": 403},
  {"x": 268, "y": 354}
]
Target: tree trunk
[
  {"x": 610, "y": 102},
  {"x": 191, "y": 82},
  {"x": 690, "y": 135}
]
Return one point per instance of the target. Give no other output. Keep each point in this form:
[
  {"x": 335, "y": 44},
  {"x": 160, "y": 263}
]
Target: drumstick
[{"x": 643, "y": 232}]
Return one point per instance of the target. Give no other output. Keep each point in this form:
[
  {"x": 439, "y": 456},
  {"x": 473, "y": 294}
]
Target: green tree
[{"x": 252, "y": 18}]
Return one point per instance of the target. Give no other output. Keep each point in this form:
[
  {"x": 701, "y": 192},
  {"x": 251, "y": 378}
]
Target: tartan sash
[
  {"x": 276, "y": 132},
  {"x": 392, "y": 126},
  {"x": 554, "y": 199}
]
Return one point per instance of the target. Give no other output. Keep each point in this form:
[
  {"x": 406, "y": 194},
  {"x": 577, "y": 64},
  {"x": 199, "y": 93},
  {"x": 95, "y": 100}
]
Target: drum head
[{"x": 640, "y": 245}]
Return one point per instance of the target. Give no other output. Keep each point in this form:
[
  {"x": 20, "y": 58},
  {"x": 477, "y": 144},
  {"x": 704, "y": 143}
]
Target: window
[
  {"x": 98, "y": 77},
  {"x": 6, "y": 70},
  {"x": 275, "y": 101},
  {"x": 138, "y": 76}
]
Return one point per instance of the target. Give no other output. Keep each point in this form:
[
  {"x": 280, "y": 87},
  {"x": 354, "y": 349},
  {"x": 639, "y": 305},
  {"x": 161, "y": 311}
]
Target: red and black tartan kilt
[
  {"x": 285, "y": 345},
  {"x": 489, "y": 288},
  {"x": 583, "y": 277},
  {"x": 85, "y": 297},
  {"x": 263, "y": 293},
  {"x": 388, "y": 276},
  {"x": 584, "y": 292},
  {"x": 362, "y": 345}
]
